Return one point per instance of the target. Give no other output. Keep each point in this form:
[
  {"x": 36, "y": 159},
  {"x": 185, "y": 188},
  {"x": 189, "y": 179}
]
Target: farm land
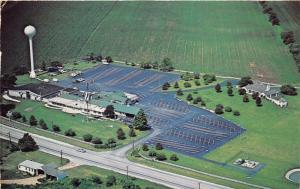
[{"x": 197, "y": 36}]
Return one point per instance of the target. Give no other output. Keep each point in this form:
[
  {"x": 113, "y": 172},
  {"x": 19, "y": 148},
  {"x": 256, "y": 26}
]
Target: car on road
[{"x": 81, "y": 150}]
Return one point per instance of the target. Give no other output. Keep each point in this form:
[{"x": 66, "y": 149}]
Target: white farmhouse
[
  {"x": 31, "y": 167},
  {"x": 266, "y": 91}
]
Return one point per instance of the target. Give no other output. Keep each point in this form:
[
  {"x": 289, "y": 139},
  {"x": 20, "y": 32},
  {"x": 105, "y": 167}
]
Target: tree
[
  {"x": 109, "y": 111},
  {"x": 229, "y": 92},
  {"x": 131, "y": 132},
  {"x": 32, "y": 121},
  {"x": 203, "y": 103},
  {"x": 111, "y": 180},
  {"x": 96, "y": 179},
  {"x": 55, "y": 128},
  {"x": 166, "y": 65},
  {"x": 245, "y": 81},
  {"x": 242, "y": 91},
  {"x": 16, "y": 115},
  {"x": 245, "y": 98},
  {"x": 44, "y": 66},
  {"x": 166, "y": 86},
  {"x": 255, "y": 95},
  {"x": 87, "y": 137},
  {"x": 229, "y": 84},
  {"x": 7, "y": 81},
  {"x": 145, "y": 147},
  {"x": 24, "y": 120},
  {"x": 189, "y": 97},
  {"x": 109, "y": 59},
  {"x": 228, "y": 109},
  {"x": 27, "y": 143},
  {"x": 161, "y": 157},
  {"x": 218, "y": 88},
  {"x": 159, "y": 146},
  {"x": 174, "y": 157},
  {"x": 97, "y": 140},
  {"x": 42, "y": 124},
  {"x": 179, "y": 93},
  {"x": 195, "y": 101},
  {"x": 199, "y": 99},
  {"x": 131, "y": 185},
  {"x": 70, "y": 133},
  {"x": 258, "y": 101},
  {"x": 196, "y": 76},
  {"x": 176, "y": 85},
  {"x": 120, "y": 134},
  {"x": 288, "y": 90},
  {"x": 219, "y": 109},
  {"x": 236, "y": 113},
  {"x": 75, "y": 182},
  {"x": 140, "y": 121}
]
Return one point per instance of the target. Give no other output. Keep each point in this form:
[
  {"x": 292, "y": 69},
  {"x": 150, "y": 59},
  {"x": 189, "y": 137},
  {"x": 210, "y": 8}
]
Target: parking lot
[{"x": 184, "y": 128}]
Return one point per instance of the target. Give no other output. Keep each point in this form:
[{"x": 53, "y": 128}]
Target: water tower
[{"x": 30, "y": 32}]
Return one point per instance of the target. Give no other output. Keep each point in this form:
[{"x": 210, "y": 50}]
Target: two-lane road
[{"x": 111, "y": 162}]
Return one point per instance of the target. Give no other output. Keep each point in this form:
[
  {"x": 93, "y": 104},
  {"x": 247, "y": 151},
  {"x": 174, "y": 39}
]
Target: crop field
[{"x": 226, "y": 38}]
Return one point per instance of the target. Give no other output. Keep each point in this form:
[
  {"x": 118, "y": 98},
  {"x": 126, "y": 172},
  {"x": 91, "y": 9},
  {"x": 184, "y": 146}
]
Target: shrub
[
  {"x": 228, "y": 109},
  {"x": 203, "y": 103},
  {"x": 161, "y": 157},
  {"x": 236, "y": 113},
  {"x": 219, "y": 110},
  {"x": 75, "y": 182},
  {"x": 229, "y": 84},
  {"x": 152, "y": 153},
  {"x": 196, "y": 76},
  {"x": 174, "y": 157},
  {"x": 230, "y": 92},
  {"x": 258, "y": 101},
  {"x": 197, "y": 83},
  {"x": 145, "y": 147},
  {"x": 70, "y": 132},
  {"x": 24, "y": 120},
  {"x": 87, "y": 137},
  {"x": 199, "y": 99},
  {"x": 245, "y": 81},
  {"x": 187, "y": 84},
  {"x": 55, "y": 128},
  {"x": 111, "y": 180},
  {"x": 195, "y": 101},
  {"x": 96, "y": 179},
  {"x": 166, "y": 86},
  {"x": 16, "y": 115},
  {"x": 159, "y": 146},
  {"x": 97, "y": 140},
  {"x": 111, "y": 141},
  {"x": 288, "y": 90}
]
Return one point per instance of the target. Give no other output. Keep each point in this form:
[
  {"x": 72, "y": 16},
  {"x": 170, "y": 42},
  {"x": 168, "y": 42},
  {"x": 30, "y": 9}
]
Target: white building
[
  {"x": 31, "y": 167},
  {"x": 267, "y": 92}
]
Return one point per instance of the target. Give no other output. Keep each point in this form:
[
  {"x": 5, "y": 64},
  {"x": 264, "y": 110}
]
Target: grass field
[
  {"x": 88, "y": 171},
  {"x": 226, "y": 38},
  {"x": 101, "y": 129},
  {"x": 271, "y": 138},
  {"x": 10, "y": 162}
]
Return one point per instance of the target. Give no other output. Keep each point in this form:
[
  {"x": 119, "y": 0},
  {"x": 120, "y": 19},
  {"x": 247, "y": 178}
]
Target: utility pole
[
  {"x": 133, "y": 145},
  {"x": 61, "y": 158},
  {"x": 127, "y": 172},
  {"x": 199, "y": 185},
  {"x": 9, "y": 138}
]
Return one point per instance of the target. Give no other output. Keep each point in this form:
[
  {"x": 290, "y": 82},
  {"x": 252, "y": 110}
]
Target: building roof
[
  {"x": 43, "y": 89},
  {"x": 260, "y": 87},
  {"x": 51, "y": 169},
  {"x": 31, "y": 164},
  {"x": 122, "y": 108}
]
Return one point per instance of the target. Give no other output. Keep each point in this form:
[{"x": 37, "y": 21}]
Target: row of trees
[
  {"x": 272, "y": 15},
  {"x": 158, "y": 156},
  {"x": 288, "y": 39},
  {"x": 165, "y": 65}
]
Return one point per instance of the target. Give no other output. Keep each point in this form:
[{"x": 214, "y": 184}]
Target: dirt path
[{"x": 34, "y": 180}]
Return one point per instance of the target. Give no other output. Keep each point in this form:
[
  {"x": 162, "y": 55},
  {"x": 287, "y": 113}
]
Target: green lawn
[
  {"x": 225, "y": 38},
  {"x": 88, "y": 171},
  {"x": 271, "y": 138},
  {"x": 102, "y": 129},
  {"x": 10, "y": 162}
]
